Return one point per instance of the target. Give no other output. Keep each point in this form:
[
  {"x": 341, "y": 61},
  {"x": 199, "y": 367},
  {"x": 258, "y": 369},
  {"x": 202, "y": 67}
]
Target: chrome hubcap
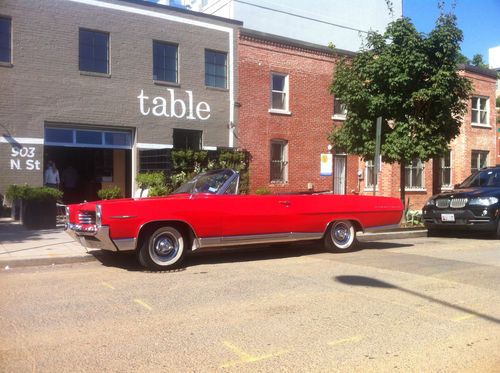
[
  {"x": 341, "y": 234},
  {"x": 165, "y": 247}
]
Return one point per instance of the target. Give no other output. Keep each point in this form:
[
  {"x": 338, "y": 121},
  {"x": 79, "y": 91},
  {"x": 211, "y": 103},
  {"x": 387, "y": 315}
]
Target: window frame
[
  {"x": 283, "y": 162},
  {"x": 409, "y": 182},
  {"x": 286, "y": 92},
  {"x": 369, "y": 169},
  {"x": 163, "y": 81},
  {"x": 479, "y": 111},
  {"x": 443, "y": 168},
  {"x": 187, "y": 133},
  {"x": 8, "y": 62},
  {"x": 478, "y": 163},
  {"x": 108, "y": 52},
  {"x": 215, "y": 76},
  {"x": 343, "y": 110}
]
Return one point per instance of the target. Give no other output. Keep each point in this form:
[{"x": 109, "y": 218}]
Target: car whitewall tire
[
  {"x": 341, "y": 237},
  {"x": 163, "y": 249}
]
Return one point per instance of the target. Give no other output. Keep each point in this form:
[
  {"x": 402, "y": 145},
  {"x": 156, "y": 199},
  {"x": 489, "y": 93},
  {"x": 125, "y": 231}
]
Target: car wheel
[
  {"x": 163, "y": 249},
  {"x": 341, "y": 237}
]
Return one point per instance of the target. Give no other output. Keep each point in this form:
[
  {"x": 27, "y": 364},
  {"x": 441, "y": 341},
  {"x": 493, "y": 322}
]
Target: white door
[{"x": 339, "y": 172}]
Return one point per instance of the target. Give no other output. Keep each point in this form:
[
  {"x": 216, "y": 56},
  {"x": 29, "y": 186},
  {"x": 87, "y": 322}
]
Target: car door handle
[{"x": 286, "y": 203}]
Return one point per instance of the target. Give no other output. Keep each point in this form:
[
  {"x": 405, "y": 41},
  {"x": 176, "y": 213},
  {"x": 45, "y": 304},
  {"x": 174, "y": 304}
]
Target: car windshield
[
  {"x": 208, "y": 182},
  {"x": 483, "y": 178}
]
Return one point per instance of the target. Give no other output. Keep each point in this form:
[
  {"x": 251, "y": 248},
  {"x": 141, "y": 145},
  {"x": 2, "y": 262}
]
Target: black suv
[{"x": 473, "y": 205}]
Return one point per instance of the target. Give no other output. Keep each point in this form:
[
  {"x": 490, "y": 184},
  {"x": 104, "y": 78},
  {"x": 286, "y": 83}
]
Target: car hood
[{"x": 470, "y": 193}]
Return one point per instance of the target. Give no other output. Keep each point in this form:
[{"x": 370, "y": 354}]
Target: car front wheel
[
  {"x": 164, "y": 249},
  {"x": 341, "y": 237}
]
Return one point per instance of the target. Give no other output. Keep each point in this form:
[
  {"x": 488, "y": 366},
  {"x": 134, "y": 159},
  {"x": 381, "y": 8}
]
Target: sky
[{"x": 479, "y": 21}]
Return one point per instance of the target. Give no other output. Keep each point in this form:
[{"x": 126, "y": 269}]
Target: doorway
[{"x": 339, "y": 174}]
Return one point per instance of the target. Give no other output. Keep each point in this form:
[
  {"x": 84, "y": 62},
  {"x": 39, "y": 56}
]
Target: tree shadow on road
[{"x": 373, "y": 282}]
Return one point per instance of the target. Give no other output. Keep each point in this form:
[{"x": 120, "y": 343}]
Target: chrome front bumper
[{"x": 98, "y": 239}]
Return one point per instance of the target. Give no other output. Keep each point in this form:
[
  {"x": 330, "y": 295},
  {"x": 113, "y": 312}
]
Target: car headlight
[
  {"x": 98, "y": 215},
  {"x": 430, "y": 202},
  {"x": 483, "y": 201}
]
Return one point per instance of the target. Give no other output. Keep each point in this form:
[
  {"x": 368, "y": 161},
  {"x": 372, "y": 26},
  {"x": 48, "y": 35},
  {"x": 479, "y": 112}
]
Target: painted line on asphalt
[
  {"x": 245, "y": 357},
  {"x": 108, "y": 285},
  {"x": 462, "y": 318},
  {"x": 346, "y": 340},
  {"x": 144, "y": 304}
]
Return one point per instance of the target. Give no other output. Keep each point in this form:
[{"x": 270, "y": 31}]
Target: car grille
[
  {"x": 86, "y": 217},
  {"x": 443, "y": 203},
  {"x": 456, "y": 203}
]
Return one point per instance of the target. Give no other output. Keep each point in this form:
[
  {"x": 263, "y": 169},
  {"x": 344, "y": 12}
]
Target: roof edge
[
  {"x": 182, "y": 10},
  {"x": 478, "y": 70},
  {"x": 293, "y": 42}
]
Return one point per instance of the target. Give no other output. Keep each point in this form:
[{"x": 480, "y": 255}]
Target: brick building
[
  {"x": 473, "y": 149},
  {"x": 110, "y": 87},
  {"x": 286, "y": 113}
]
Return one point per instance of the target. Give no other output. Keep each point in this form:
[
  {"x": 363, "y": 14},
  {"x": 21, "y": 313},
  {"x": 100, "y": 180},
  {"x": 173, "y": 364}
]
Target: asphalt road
[{"x": 415, "y": 305}]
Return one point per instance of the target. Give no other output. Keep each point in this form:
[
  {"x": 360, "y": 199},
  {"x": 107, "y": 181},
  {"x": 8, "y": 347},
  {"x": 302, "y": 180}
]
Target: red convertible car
[{"x": 208, "y": 212}]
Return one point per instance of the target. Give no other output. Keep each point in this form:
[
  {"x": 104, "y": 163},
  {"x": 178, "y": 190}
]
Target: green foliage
[
  {"x": 498, "y": 101},
  {"x": 477, "y": 60},
  {"x": 462, "y": 59},
  {"x": 411, "y": 81},
  {"x": 187, "y": 163},
  {"x": 113, "y": 192},
  {"x": 263, "y": 191},
  {"x": 28, "y": 193},
  {"x": 159, "y": 190},
  {"x": 147, "y": 180}
]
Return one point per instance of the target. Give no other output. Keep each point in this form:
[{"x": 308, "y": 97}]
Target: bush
[
  {"x": 110, "y": 193},
  {"x": 498, "y": 101},
  {"x": 146, "y": 180},
  {"x": 159, "y": 190},
  {"x": 28, "y": 193},
  {"x": 262, "y": 191}
]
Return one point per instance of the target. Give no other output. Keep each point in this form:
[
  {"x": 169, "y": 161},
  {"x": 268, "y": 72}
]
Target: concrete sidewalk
[{"x": 20, "y": 247}]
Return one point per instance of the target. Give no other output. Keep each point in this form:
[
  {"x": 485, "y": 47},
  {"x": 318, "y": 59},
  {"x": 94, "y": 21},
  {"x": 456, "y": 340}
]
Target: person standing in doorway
[{"x": 51, "y": 178}]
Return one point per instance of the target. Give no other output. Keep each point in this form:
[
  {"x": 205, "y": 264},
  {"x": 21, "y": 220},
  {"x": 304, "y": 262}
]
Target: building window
[
  {"x": 480, "y": 111},
  {"x": 82, "y": 138},
  {"x": 187, "y": 139},
  {"x": 279, "y": 161},
  {"x": 369, "y": 170},
  {"x": 154, "y": 160},
  {"x": 339, "y": 109},
  {"x": 165, "y": 62},
  {"x": 215, "y": 69},
  {"x": 94, "y": 51},
  {"x": 279, "y": 92},
  {"x": 414, "y": 175},
  {"x": 5, "y": 40},
  {"x": 445, "y": 170},
  {"x": 479, "y": 159}
]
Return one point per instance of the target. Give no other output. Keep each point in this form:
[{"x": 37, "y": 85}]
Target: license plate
[{"x": 448, "y": 217}]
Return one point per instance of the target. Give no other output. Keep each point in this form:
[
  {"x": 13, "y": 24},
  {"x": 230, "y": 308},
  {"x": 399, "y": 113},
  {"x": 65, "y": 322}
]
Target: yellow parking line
[
  {"x": 145, "y": 305},
  {"x": 107, "y": 285},
  {"x": 462, "y": 318},
  {"x": 346, "y": 340},
  {"x": 245, "y": 357}
]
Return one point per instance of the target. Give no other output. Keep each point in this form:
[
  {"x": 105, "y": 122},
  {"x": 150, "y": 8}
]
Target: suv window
[{"x": 484, "y": 178}]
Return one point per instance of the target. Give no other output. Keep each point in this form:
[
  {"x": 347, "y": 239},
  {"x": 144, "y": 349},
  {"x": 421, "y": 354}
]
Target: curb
[
  {"x": 92, "y": 256},
  {"x": 34, "y": 262}
]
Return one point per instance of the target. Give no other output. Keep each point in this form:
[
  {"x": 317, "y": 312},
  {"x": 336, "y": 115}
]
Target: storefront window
[{"x": 83, "y": 138}]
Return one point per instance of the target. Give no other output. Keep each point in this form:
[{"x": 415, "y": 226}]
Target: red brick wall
[
  {"x": 306, "y": 128},
  {"x": 470, "y": 138}
]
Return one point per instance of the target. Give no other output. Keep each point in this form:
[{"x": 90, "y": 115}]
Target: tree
[
  {"x": 411, "y": 81},
  {"x": 477, "y": 60}
]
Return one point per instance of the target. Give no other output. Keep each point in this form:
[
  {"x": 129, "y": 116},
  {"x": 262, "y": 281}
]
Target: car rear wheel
[
  {"x": 163, "y": 249},
  {"x": 341, "y": 237}
]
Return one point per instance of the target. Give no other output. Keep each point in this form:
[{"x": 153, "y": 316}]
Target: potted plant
[
  {"x": 113, "y": 192},
  {"x": 39, "y": 207}
]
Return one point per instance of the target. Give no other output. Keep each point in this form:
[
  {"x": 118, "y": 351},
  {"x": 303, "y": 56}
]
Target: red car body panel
[{"x": 212, "y": 215}]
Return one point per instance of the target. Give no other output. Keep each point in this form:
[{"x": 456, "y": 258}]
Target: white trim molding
[{"x": 5, "y": 139}]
